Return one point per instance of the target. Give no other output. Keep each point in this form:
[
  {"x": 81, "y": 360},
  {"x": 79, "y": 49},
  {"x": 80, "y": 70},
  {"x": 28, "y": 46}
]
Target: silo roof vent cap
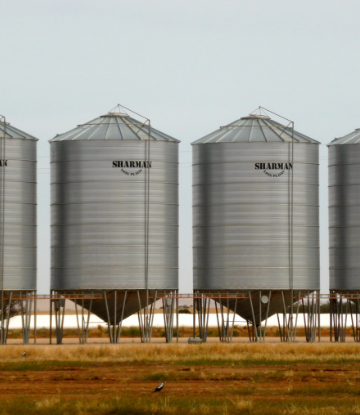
[
  {"x": 256, "y": 117},
  {"x": 259, "y": 113},
  {"x": 118, "y": 111}
]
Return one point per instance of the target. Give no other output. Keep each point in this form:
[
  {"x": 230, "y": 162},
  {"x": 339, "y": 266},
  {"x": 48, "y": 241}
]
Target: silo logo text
[
  {"x": 124, "y": 165},
  {"x": 272, "y": 169}
]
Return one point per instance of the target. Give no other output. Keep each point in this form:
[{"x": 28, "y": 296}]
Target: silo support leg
[
  {"x": 2, "y": 315},
  {"x": 177, "y": 318},
  {"x": 26, "y": 326},
  {"x": 200, "y": 315},
  {"x": 297, "y": 313},
  {"x": 166, "y": 316},
  {"x": 77, "y": 322},
  {"x": 352, "y": 320},
  {"x": 311, "y": 316},
  {"x": 344, "y": 322},
  {"x": 122, "y": 317},
  {"x": 146, "y": 319},
  {"x": 77, "y": 317},
  {"x": 2, "y": 310},
  {"x": 25, "y": 305},
  {"x": 227, "y": 323},
  {"x": 5, "y": 314},
  {"x": 194, "y": 317},
  {"x": 287, "y": 324},
  {"x": 221, "y": 320},
  {"x": 318, "y": 316},
  {"x": 307, "y": 320},
  {"x": 83, "y": 324},
  {"x": 225, "y": 320},
  {"x": 108, "y": 317},
  {"x": 141, "y": 325},
  {"x": 259, "y": 327},
  {"x": 50, "y": 331},
  {"x": 151, "y": 318},
  {"x": 115, "y": 315},
  {"x": 59, "y": 311},
  {"x": 233, "y": 322},
  {"x": 354, "y": 304},
  {"x": 263, "y": 334},
  {"x": 218, "y": 321},
  {"x": 168, "y": 312},
  {"x": 280, "y": 329},
  {"x": 333, "y": 317},
  {"x": 254, "y": 327},
  {"x": 355, "y": 318},
  {"x": 28, "y": 317},
  {"x": 285, "y": 320},
  {"x": 88, "y": 317},
  {"x": 202, "y": 309},
  {"x": 339, "y": 318},
  {"x": 8, "y": 315},
  {"x": 22, "y": 315},
  {"x": 61, "y": 326}
]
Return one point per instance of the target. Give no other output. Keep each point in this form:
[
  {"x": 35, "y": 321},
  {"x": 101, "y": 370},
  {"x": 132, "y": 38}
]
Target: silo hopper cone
[
  {"x": 242, "y": 306},
  {"x": 101, "y": 307}
]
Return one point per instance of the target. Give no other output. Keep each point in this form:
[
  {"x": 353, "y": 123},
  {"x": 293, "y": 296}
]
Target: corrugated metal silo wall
[
  {"x": 344, "y": 216},
  {"x": 241, "y": 216},
  {"x": 20, "y": 214},
  {"x": 98, "y": 215}
]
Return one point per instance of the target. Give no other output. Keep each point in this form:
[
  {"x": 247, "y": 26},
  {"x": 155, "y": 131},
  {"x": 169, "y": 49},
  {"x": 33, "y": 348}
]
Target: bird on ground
[
  {"x": 96, "y": 365},
  {"x": 160, "y": 387},
  {"x": 24, "y": 354}
]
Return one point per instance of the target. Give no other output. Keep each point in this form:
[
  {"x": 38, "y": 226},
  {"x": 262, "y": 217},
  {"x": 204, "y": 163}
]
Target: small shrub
[
  {"x": 246, "y": 407},
  {"x": 158, "y": 377},
  {"x": 130, "y": 332},
  {"x": 101, "y": 331}
]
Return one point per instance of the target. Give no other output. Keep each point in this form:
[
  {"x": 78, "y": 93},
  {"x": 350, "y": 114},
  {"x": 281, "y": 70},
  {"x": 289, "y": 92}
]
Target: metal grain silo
[
  {"x": 17, "y": 225},
  {"x": 344, "y": 230},
  {"x": 256, "y": 216},
  {"x": 114, "y": 215}
]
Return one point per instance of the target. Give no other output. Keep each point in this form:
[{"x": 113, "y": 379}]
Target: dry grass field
[
  {"x": 158, "y": 332},
  {"x": 201, "y": 379}
]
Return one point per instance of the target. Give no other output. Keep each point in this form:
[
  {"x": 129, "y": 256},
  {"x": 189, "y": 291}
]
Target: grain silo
[
  {"x": 256, "y": 218},
  {"x": 17, "y": 226},
  {"x": 344, "y": 232},
  {"x": 114, "y": 218}
]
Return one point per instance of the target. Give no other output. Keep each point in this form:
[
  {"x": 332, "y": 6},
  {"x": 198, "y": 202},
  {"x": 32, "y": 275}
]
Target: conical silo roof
[
  {"x": 352, "y": 138},
  {"x": 254, "y": 128},
  {"x": 114, "y": 126},
  {"x": 9, "y": 131}
]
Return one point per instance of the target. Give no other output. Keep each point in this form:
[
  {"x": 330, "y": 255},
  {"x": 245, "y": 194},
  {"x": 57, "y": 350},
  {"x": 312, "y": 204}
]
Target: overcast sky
[{"x": 189, "y": 66}]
